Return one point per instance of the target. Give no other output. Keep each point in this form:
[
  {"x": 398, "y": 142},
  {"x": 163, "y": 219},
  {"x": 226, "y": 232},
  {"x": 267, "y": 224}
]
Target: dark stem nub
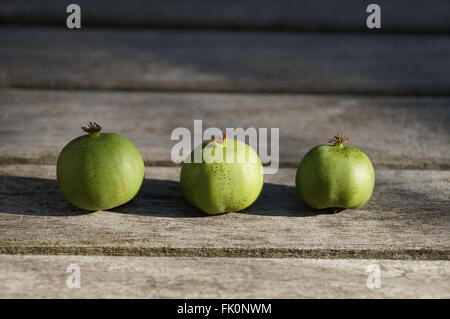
[
  {"x": 335, "y": 210},
  {"x": 339, "y": 139},
  {"x": 92, "y": 127},
  {"x": 214, "y": 139}
]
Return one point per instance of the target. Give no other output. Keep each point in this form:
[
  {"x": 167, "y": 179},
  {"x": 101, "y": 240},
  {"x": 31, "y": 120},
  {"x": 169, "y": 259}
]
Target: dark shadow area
[
  {"x": 416, "y": 203},
  {"x": 42, "y": 197},
  {"x": 281, "y": 200},
  {"x": 163, "y": 198},
  {"x": 159, "y": 198},
  {"x": 34, "y": 197}
]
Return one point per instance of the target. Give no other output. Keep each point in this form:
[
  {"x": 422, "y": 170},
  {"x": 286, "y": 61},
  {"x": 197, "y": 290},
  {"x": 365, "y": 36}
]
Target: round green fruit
[
  {"x": 335, "y": 176},
  {"x": 229, "y": 177},
  {"x": 99, "y": 171}
]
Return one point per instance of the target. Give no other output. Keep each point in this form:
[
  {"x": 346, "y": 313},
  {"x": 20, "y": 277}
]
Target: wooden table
[{"x": 144, "y": 69}]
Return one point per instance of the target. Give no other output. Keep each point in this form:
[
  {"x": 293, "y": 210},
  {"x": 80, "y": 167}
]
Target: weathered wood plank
[
  {"x": 348, "y": 15},
  {"x": 400, "y": 132},
  {"x": 224, "y": 61},
  {"x": 407, "y": 217},
  {"x": 159, "y": 277}
]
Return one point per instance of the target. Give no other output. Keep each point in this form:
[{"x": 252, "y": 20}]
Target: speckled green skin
[
  {"x": 217, "y": 188},
  {"x": 335, "y": 176},
  {"x": 99, "y": 171}
]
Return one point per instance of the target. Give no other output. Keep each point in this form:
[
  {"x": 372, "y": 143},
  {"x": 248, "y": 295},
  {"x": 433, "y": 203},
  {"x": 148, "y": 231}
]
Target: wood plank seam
[
  {"x": 289, "y": 15},
  {"x": 407, "y": 254}
]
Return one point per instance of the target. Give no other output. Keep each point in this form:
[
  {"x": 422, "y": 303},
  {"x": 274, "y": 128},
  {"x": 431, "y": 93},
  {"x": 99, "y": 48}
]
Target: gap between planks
[
  {"x": 409, "y": 254},
  {"x": 288, "y": 15}
]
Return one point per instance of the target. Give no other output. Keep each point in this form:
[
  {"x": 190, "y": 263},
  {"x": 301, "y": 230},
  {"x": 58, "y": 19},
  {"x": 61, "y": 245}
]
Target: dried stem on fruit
[
  {"x": 92, "y": 127},
  {"x": 339, "y": 139}
]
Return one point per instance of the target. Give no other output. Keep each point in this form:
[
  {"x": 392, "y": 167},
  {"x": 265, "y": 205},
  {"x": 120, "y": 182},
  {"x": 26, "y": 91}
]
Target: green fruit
[
  {"x": 230, "y": 183},
  {"x": 335, "y": 176},
  {"x": 99, "y": 171}
]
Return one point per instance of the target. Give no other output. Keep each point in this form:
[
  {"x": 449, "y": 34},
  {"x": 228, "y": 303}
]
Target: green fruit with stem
[
  {"x": 228, "y": 176},
  {"x": 99, "y": 171},
  {"x": 335, "y": 176}
]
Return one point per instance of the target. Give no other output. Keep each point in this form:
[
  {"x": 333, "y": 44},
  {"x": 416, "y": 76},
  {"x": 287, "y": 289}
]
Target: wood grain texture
[
  {"x": 408, "y": 217},
  {"x": 324, "y": 15},
  {"x": 156, "y": 277},
  {"x": 224, "y": 61},
  {"x": 396, "y": 132}
]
